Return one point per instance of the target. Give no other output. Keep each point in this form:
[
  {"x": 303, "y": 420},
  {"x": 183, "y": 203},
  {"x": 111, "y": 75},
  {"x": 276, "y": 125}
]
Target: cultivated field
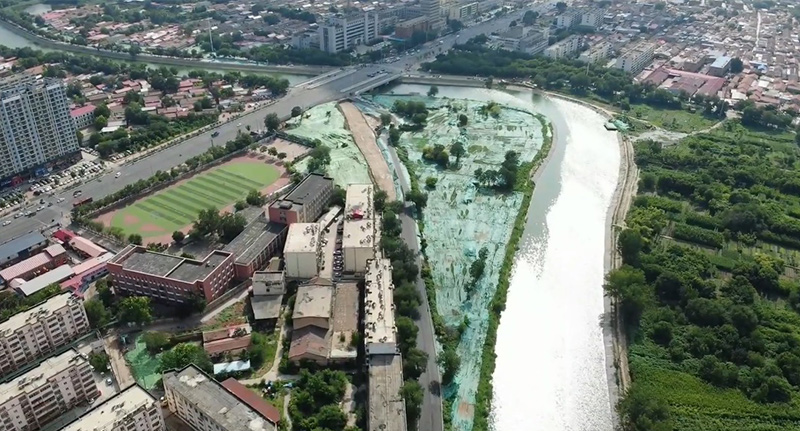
[{"x": 176, "y": 207}]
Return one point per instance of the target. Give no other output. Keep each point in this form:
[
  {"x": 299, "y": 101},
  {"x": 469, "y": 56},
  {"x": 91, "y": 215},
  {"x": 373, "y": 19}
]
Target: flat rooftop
[
  {"x": 211, "y": 398},
  {"x": 358, "y": 234},
  {"x": 174, "y": 267},
  {"x": 313, "y": 300},
  {"x": 379, "y": 325},
  {"x": 387, "y": 410},
  {"x": 255, "y": 237},
  {"x": 38, "y": 376},
  {"x": 266, "y": 306},
  {"x": 344, "y": 320},
  {"x": 272, "y": 282},
  {"x": 104, "y": 417},
  {"x": 302, "y": 238},
  {"x": 307, "y": 190},
  {"x": 358, "y": 201},
  {"x": 34, "y": 314}
]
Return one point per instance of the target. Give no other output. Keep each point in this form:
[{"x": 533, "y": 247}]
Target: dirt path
[
  {"x": 365, "y": 140},
  {"x": 117, "y": 361}
]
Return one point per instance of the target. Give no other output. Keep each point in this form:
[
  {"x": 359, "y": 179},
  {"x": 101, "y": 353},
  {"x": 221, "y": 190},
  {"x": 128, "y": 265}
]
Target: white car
[
  {"x": 60, "y": 200},
  {"x": 7, "y": 222},
  {"x": 118, "y": 174}
]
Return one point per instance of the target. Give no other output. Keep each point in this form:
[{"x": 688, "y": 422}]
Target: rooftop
[
  {"x": 104, "y": 417},
  {"x": 358, "y": 234},
  {"x": 344, "y": 320},
  {"x": 39, "y": 375},
  {"x": 313, "y": 300},
  {"x": 85, "y": 246},
  {"x": 21, "y": 319},
  {"x": 379, "y": 325},
  {"x": 358, "y": 202},
  {"x": 255, "y": 402},
  {"x": 164, "y": 265},
  {"x": 11, "y": 249},
  {"x": 57, "y": 275},
  {"x": 215, "y": 401},
  {"x": 309, "y": 340},
  {"x": 255, "y": 237},
  {"x": 269, "y": 282},
  {"x": 29, "y": 264},
  {"x": 89, "y": 264},
  {"x": 302, "y": 238},
  {"x": 266, "y": 306},
  {"x": 387, "y": 410},
  {"x": 305, "y": 192}
]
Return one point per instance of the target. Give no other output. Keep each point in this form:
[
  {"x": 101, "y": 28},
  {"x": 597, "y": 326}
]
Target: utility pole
[{"x": 210, "y": 39}]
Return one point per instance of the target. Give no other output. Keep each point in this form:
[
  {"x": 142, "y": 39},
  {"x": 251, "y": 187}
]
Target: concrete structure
[
  {"x": 258, "y": 242},
  {"x": 432, "y": 10},
  {"x": 387, "y": 409},
  {"x": 206, "y": 405},
  {"x": 232, "y": 340},
  {"x": 42, "y": 394},
  {"x": 406, "y": 29},
  {"x": 21, "y": 248},
  {"x": 564, "y": 49},
  {"x": 252, "y": 400},
  {"x": 379, "y": 327},
  {"x": 130, "y": 410},
  {"x": 83, "y": 116},
  {"x": 635, "y": 59},
  {"x": 40, "y": 331},
  {"x": 720, "y": 66},
  {"x": 35, "y": 127},
  {"x": 137, "y": 271},
  {"x": 311, "y": 322},
  {"x": 568, "y": 19},
  {"x": 305, "y": 202},
  {"x": 301, "y": 253},
  {"x": 360, "y": 233},
  {"x": 463, "y": 12},
  {"x": 592, "y": 18},
  {"x": 524, "y": 39},
  {"x": 268, "y": 291},
  {"x": 30, "y": 287},
  {"x": 596, "y": 53},
  {"x": 52, "y": 257},
  {"x": 341, "y": 33}
]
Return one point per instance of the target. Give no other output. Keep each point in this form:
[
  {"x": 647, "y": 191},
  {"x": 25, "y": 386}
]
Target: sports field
[{"x": 176, "y": 207}]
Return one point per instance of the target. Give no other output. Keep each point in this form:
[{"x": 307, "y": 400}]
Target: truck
[{"x": 80, "y": 202}]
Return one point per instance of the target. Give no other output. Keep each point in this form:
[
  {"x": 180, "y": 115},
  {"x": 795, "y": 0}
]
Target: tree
[
  {"x": 297, "y": 111},
  {"x": 134, "y": 50},
  {"x": 406, "y": 333},
  {"x": 628, "y": 285},
  {"x": 412, "y": 393},
  {"x": 97, "y": 313},
  {"x": 102, "y": 111},
  {"x": 331, "y": 417},
  {"x": 104, "y": 293},
  {"x": 430, "y": 182},
  {"x": 629, "y": 244},
  {"x": 450, "y": 363},
  {"x": 513, "y": 24},
  {"x": 230, "y": 226},
  {"x": 415, "y": 361},
  {"x": 178, "y": 236},
  {"x": 255, "y": 198},
  {"x": 239, "y": 205},
  {"x": 463, "y": 120},
  {"x": 272, "y": 151},
  {"x": 99, "y": 361},
  {"x": 135, "y": 309},
  {"x": 561, "y": 6},
  {"x": 737, "y": 66},
  {"x": 135, "y": 238},
  {"x": 386, "y": 119},
  {"x": 272, "y": 122},
  {"x": 641, "y": 412},
  {"x": 184, "y": 354},
  {"x": 100, "y": 122},
  {"x": 420, "y": 199},
  {"x": 207, "y": 222},
  {"x": 394, "y": 136},
  {"x": 457, "y": 150},
  {"x": 282, "y": 156},
  {"x": 155, "y": 341},
  {"x": 433, "y": 91},
  {"x": 338, "y": 197},
  {"x": 530, "y": 17}
]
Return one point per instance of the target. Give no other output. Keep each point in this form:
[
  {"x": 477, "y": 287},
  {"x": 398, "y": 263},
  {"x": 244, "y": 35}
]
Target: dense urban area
[{"x": 220, "y": 215}]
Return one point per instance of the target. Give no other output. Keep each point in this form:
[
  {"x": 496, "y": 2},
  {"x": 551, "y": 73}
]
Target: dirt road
[
  {"x": 117, "y": 361},
  {"x": 365, "y": 140}
]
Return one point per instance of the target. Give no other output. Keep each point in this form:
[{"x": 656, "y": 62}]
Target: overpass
[{"x": 371, "y": 83}]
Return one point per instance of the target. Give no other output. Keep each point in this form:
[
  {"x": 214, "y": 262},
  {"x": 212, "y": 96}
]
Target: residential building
[
  {"x": 380, "y": 332},
  {"x": 207, "y": 405},
  {"x": 635, "y": 59},
  {"x": 36, "y": 129},
  {"x": 565, "y": 48},
  {"x": 387, "y": 409},
  {"x": 592, "y": 18},
  {"x": 138, "y": 271},
  {"x": 360, "y": 232},
  {"x": 83, "y": 116},
  {"x": 85, "y": 247},
  {"x": 301, "y": 253},
  {"x": 305, "y": 202},
  {"x": 130, "y": 410},
  {"x": 341, "y": 33},
  {"x": 268, "y": 290},
  {"x": 432, "y": 10},
  {"x": 21, "y": 248},
  {"x": 40, "y": 331},
  {"x": 596, "y": 53},
  {"x": 406, "y": 29},
  {"x": 720, "y": 66},
  {"x": 47, "y": 391},
  {"x": 259, "y": 241},
  {"x": 52, "y": 257},
  {"x": 463, "y": 12},
  {"x": 524, "y": 39},
  {"x": 568, "y": 19}
]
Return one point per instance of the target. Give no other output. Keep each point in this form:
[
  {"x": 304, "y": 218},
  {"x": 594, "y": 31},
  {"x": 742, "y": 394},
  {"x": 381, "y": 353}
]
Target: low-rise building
[
  {"x": 324, "y": 321},
  {"x": 380, "y": 332},
  {"x": 387, "y": 409},
  {"x": 305, "y": 202},
  {"x": 406, "y": 29},
  {"x": 635, "y": 59},
  {"x": 463, "y": 12},
  {"x": 138, "y": 271},
  {"x": 52, "y": 257},
  {"x": 83, "y": 116},
  {"x": 563, "y": 49},
  {"x": 360, "y": 231},
  {"x": 130, "y": 410},
  {"x": 47, "y": 391},
  {"x": 259, "y": 241},
  {"x": 720, "y": 66},
  {"x": 34, "y": 285},
  {"x": 40, "y": 331},
  {"x": 21, "y": 248},
  {"x": 268, "y": 290},
  {"x": 207, "y": 405},
  {"x": 232, "y": 340},
  {"x": 301, "y": 253}
]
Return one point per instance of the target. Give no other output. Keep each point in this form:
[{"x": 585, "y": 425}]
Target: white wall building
[
  {"x": 342, "y": 33},
  {"x": 463, "y": 12},
  {"x": 380, "y": 333},
  {"x": 568, "y": 19},
  {"x": 130, "y": 410},
  {"x": 635, "y": 59},
  {"x": 41, "y": 330},
  {"x": 563, "y": 49},
  {"x": 301, "y": 252},
  {"x": 596, "y": 53},
  {"x": 360, "y": 233},
  {"x": 592, "y": 18}
]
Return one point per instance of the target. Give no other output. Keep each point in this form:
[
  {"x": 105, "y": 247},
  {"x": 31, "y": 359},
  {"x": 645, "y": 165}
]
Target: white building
[
  {"x": 44, "y": 393},
  {"x": 40, "y": 331},
  {"x": 563, "y": 49},
  {"x": 360, "y": 232},
  {"x": 635, "y": 59},
  {"x": 35, "y": 126},
  {"x": 130, "y": 410},
  {"x": 463, "y": 12},
  {"x": 302, "y": 250},
  {"x": 568, "y": 19},
  {"x": 598, "y": 52},
  {"x": 524, "y": 39},
  {"x": 592, "y": 18},
  {"x": 432, "y": 9},
  {"x": 380, "y": 336},
  {"x": 342, "y": 33}
]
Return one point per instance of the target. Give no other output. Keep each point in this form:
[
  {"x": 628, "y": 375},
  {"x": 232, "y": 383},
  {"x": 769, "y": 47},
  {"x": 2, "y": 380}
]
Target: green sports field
[{"x": 177, "y": 207}]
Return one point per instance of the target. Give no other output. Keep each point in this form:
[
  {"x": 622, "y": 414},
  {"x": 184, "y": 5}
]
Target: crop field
[{"x": 177, "y": 206}]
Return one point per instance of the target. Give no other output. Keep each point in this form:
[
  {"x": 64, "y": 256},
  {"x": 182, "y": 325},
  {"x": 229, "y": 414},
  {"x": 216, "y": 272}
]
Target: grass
[
  {"x": 232, "y": 315},
  {"x": 177, "y": 207},
  {"x": 676, "y": 120},
  {"x": 272, "y": 349}
]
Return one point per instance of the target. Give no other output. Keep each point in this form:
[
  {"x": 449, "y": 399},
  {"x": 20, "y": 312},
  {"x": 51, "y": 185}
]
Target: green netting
[
  {"x": 326, "y": 123},
  {"x": 144, "y": 366},
  {"x": 460, "y": 219}
]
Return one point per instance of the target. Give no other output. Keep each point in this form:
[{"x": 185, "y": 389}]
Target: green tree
[
  {"x": 272, "y": 122},
  {"x": 297, "y": 111},
  {"x": 338, "y": 197},
  {"x": 240, "y": 205},
  {"x": 155, "y": 341},
  {"x": 630, "y": 244},
  {"x": 272, "y": 151},
  {"x": 406, "y": 333},
  {"x": 415, "y": 362},
  {"x": 97, "y": 313},
  {"x": 135, "y": 309},
  {"x": 230, "y": 225},
  {"x": 450, "y": 363},
  {"x": 135, "y": 238},
  {"x": 457, "y": 150},
  {"x": 184, "y": 354},
  {"x": 420, "y": 199},
  {"x": 178, "y": 236},
  {"x": 737, "y": 66},
  {"x": 433, "y": 91},
  {"x": 413, "y": 394},
  {"x": 463, "y": 120},
  {"x": 100, "y": 122},
  {"x": 430, "y": 182},
  {"x": 256, "y": 198},
  {"x": 386, "y": 119},
  {"x": 530, "y": 17},
  {"x": 207, "y": 223},
  {"x": 628, "y": 285},
  {"x": 99, "y": 361},
  {"x": 102, "y": 110}
]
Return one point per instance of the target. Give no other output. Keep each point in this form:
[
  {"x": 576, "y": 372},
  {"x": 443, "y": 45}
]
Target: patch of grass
[
  {"x": 677, "y": 120},
  {"x": 232, "y": 315}
]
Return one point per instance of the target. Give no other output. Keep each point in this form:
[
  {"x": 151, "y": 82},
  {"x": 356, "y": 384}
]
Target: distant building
[
  {"x": 46, "y": 392},
  {"x": 83, "y": 116},
  {"x": 133, "y": 409},
  {"x": 523, "y": 39},
  {"x": 432, "y": 10},
  {"x": 341, "y": 33},
  {"x": 207, "y": 405},
  {"x": 406, "y": 29},
  {"x": 463, "y": 12},
  {"x": 40, "y": 331},
  {"x": 21, "y": 248},
  {"x": 138, "y": 271},
  {"x": 360, "y": 232},
  {"x": 592, "y": 18},
  {"x": 596, "y": 53},
  {"x": 305, "y": 202},
  {"x": 301, "y": 253},
  {"x": 563, "y": 49},
  {"x": 637, "y": 58},
  {"x": 720, "y": 66},
  {"x": 568, "y": 19}
]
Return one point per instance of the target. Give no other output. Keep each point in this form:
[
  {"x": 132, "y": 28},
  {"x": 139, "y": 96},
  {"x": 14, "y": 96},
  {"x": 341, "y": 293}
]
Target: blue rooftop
[
  {"x": 11, "y": 249},
  {"x": 721, "y": 61}
]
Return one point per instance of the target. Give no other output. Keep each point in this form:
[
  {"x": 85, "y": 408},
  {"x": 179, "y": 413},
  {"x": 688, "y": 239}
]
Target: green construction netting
[{"x": 144, "y": 366}]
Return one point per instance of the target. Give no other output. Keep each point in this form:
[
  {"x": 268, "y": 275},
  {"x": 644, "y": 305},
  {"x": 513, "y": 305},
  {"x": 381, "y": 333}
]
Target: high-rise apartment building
[
  {"x": 40, "y": 331},
  {"x": 341, "y": 33},
  {"x": 44, "y": 393},
  {"x": 130, "y": 410},
  {"x": 635, "y": 59},
  {"x": 35, "y": 126},
  {"x": 432, "y": 9}
]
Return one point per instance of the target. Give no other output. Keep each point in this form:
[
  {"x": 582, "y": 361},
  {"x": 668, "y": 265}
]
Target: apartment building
[
  {"x": 341, "y": 33},
  {"x": 432, "y": 9},
  {"x": 130, "y": 410},
  {"x": 206, "y": 405},
  {"x": 592, "y": 18},
  {"x": 463, "y": 12},
  {"x": 635, "y": 59},
  {"x": 36, "y": 128},
  {"x": 360, "y": 235},
  {"x": 305, "y": 203},
  {"x": 596, "y": 53},
  {"x": 568, "y": 19},
  {"x": 42, "y": 394},
  {"x": 35, "y": 333},
  {"x": 563, "y": 49}
]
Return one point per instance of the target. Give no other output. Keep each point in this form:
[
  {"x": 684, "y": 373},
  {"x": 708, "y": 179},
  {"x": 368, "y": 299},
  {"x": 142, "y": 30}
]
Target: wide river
[{"x": 553, "y": 372}]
